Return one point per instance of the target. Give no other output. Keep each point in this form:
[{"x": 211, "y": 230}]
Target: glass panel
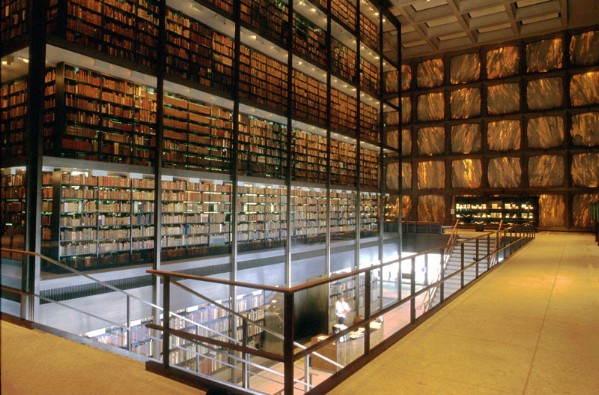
[
  {"x": 584, "y": 89},
  {"x": 464, "y": 68},
  {"x": 544, "y": 93},
  {"x": 465, "y": 103},
  {"x": 580, "y": 209},
  {"x": 431, "y": 141},
  {"x": 431, "y": 208},
  {"x": 552, "y": 211},
  {"x": 503, "y": 62},
  {"x": 504, "y": 98},
  {"x": 584, "y": 49},
  {"x": 585, "y": 129},
  {"x": 546, "y": 171},
  {"x": 431, "y": 175},
  {"x": 544, "y": 55},
  {"x": 504, "y": 172},
  {"x": 406, "y": 143},
  {"x": 466, "y": 173},
  {"x": 504, "y": 135},
  {"x": 585, "y": 170},
  {"x": 430, "y": 73},
  {"x": 545, "y": 132},
  {"x": 465, "y": 138},
  {"x": 431, "y": 107}
]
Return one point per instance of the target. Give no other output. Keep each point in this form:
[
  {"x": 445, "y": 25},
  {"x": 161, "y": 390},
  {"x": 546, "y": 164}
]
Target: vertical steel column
[
  {"x": 289, "y": 115},
  {"x": 166, "y": 339},
  {"x": 382, "y": 173},
  {"x": 413, "y": 289},
  {"x": 328, "y": 126},
  {"x": 367, "y": 312}
]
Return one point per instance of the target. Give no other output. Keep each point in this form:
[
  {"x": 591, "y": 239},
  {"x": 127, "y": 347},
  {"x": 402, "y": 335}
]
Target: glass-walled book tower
[{"x": 140, "y": 133}]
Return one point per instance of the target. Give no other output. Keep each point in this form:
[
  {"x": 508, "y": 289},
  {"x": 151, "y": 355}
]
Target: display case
[{"x": 493, "y": 210}]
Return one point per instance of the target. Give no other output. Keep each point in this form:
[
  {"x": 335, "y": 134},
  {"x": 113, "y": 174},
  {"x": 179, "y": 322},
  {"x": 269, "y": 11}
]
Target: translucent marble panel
[
  {"x": 430, "y": 73},
  {"x": 464, "y": 68},
  {"x": 503, "y": 62},
  {"x": 504, "y": 135},
  {"x": 431, "y": 208},
  {"x": 393, "y": 138},
  {"x": 406, "y": 210},
  {"x": 406, "y": 77},
  {"x": 546, "y": 171},
  {"x": 544, "y": 55},
  {"x": 431, "y": 141},
  {"x": 466, "y": 173},
  {"x": 406, "y": 175},
  {"x": 392, "y": 176},
  {"x": 431, "y": 175},
  {"x": 503, "y": 99},
  {"x": 584, "y": 89},
  {"x": 431, "y": 107},
  {"x": 406, "y": 142},
  {"x": 406, "y": 109},
  {"x": 585, "y": 129},
  {"x": 392, "y": 81},
  {"x": 544, "y": 93},
  {"x": 392, "y": 207},
  {"x": 552, "y": 211},
  {"x": 465, "y": 103},
  {"x": 391, "y": 118},
  {"x": 585, "y": 170},
  {"x": 545, "y": 132},
  {"x": 465, "y": 138},
  {"x": 584, "y": 49},
  {"x": 580, "y": 209},
  {"x": 504, "y": 172}
]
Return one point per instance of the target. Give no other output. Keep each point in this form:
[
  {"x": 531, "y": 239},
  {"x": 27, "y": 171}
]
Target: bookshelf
[
  {"x": 368, "y": 32},
  {"x": 492, "y": 210},
  {"x": 343, "y": 163},
  {"x": 13, "y": 23},
  {"x": 309, "y": 99},
  {"x": 262, "y": 148},
  {"x": 369, "y": 168},
  {"x": 344, "y": 61},
  {"x": 309, "y": 160},
  {"x": 309, "y": 41},
  {"x": 13, "y": 208},
  {"x": 344, "y": 111},
  {"x": 308, "y": 215},
  {"x": 266, "y": 17},
  {"x": 343, "y": 214},
  {"x": 369, "y": 214}
]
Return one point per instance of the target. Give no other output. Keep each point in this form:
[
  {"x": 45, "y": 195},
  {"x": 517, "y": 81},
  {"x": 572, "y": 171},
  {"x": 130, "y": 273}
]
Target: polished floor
[{"x": 530, "y": 327}]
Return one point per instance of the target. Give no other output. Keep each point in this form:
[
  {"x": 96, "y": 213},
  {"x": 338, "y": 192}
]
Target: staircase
[{"x": 453, "y": 265}]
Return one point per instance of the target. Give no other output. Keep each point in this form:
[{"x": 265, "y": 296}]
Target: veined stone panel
[
  {"x": 431, "y": 141},
  {"x": 544, "y": 55},
  {"x": 406, "y": 109},
  {"x": 466, "y": 173},
  {"x": 503, "y": 98},
  {"x": 465, "y": 103},
  {"x": 584, "y": 89},
  {"x": 552, "y": 211},
  {"x": 585, "y": 129},
  {"x": 406, "y": 175},
  {"x": 431, "y": 175},
  {"x": 503, "y": 62},
  {"x": 392, "y": 176},
  {"x": 546, "y": 171},
  {"x": 504, "y": 172},
  {"x": 430, "y": 73},
  {"x": 406, "y": 77},
  {"x": 392, "y": 207},
  {"x": 393, "y": 138},
  {"x": 504, "y": 135},
  {"x": 431, "y": 107},
  {"x": 406, "y": 142},
  {"x": 585, "y": 170},
  {"x": 431, "y": 208},
  {"x": 584, "y": 49},
  {"x": 464, "y": 68},
  {"x": 545, "y": 132},
  {"x": 580, "y": 211},
  {"x": 407, "y": 206},
  {"x": 544, "y": 93},
  {"x": 465, "y": 138}
]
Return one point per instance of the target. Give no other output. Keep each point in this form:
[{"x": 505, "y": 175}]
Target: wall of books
[
  {"x": 282, "y": 106},
  {"x": 517, "y": 119}
]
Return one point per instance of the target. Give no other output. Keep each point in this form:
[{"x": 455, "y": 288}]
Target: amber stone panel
[
  {"x": 552, "y": 211},
  {"x": 406, "y": 77},
  {"x": 430, "y": 73},
  {"x": 503, "y": 98},
  {"x": 580, "y": 209},
  {"x": 406, "y": 142},
  {"x": 503, "y": 62},
  {"x": 546, "y": 171},
  {"x": 392, "y": 207},
  {"x": 585, "y": 129},
  {"x": 465, "y": 138},
  {"x": 431, "y": 208},
  {"x": 544, "y": 93},
  {"x": 545, "y": 132},
  {"x": 391, "y": 118},
  {"x": 464, "y": 68},
  {"x": 465, "y": 103},
  {"x": 584, "y": 89},
  {"x": 407, "y": 206},
  {"x": 393, "y": 138},
  {"x": 504, "y": 172},
  {"x": 544, "y": 55},
  {"x": 585, "y": 170},
  {"x": 392, "y": 176},
  {"x": 466, "y": 173},
  {"x": 406, "y": 109},
  {"x": 406, "y": 175},
  {"x": 504, "y": 135},
  {"x": 431, "y": 107},
  {"x": 431, "y": 141},
  {"x": 584, "y": 49},
  {"x": 431, "y": 175}
]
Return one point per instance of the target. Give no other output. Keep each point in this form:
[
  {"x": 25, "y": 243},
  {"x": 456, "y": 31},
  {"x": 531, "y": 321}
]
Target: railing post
[
  {"x": 244, "y": 355},
  {"x": 413, "y": 290},
  {"x": 488, "y": 251},
  {"x": 442, "y": 278},
  {"x": 128, "y": 333},
  {"x": 426, "y": 275},
  {"x": 166, "y": 321},
  {"x": 367, "y": 303},
  {"x": 288, "y": 344},
  {"x": 308, "y": 375},
  {"x": 462, "y": 266}
]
